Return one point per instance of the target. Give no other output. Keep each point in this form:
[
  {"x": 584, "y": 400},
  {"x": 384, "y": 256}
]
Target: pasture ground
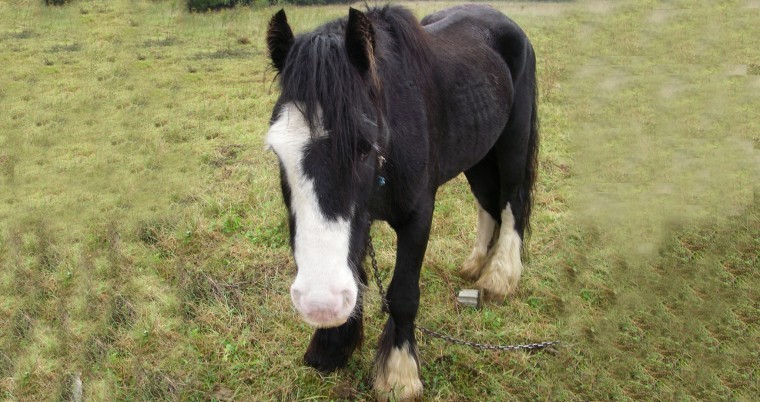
[{"x": 143, "y": 244}]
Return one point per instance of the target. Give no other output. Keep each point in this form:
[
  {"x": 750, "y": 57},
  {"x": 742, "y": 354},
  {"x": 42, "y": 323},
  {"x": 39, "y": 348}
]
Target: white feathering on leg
[
  {"x": 477, "y": 259},
  {"x": 503, "y": 271},
  {"x": 399, "y": 380}
]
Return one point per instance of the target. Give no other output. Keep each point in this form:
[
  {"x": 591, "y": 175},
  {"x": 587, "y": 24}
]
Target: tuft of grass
[
  {"x": 225, "y": 54},
  {"x": 167, "y": 41},
  {"x": 70, "y": 47}
]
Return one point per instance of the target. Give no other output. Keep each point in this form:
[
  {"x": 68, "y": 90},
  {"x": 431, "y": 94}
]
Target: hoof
[
  {"x": 399, "y": 380},
  {"x": 330, "y": 348},
  {"x": 502, "y": 273},
  {"x": 325, "y": 364},
  {"x": 500, "y": 279},
  {"x": 472, "y": 266}
]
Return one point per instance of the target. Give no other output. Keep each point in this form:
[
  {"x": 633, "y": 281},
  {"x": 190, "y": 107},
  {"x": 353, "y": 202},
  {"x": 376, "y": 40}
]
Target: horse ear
[
  {"x": 360, "y": 40},
  {"x": 279, "y": 39}
]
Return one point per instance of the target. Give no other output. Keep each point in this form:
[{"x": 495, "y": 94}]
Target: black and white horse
[{"x": 377, "y": 111}]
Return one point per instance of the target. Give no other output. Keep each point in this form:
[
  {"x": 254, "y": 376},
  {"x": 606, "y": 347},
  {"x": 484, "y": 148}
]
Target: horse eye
[{"x": 364, "y": 149}]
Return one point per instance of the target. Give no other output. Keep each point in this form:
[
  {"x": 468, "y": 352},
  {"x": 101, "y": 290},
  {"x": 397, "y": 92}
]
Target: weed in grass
[
  {"x": 271, "y": 237},
  {"x": 71, "y": 388},
  {"x": 21, "y": 326},
  {"x": 225, "y": 54},
  {"x": 8, "y": 167},
  {"x": 95, "y": 349},
  {"x": 6, "y": 363},
  {"x": 156, "y": 385},
  {"x": 122, "y": 313},
  {"x": 21, "y": 34},
  {"x": 167, "y": 41},
  {"x": 69, "y": 47},
  {"x": 154, "y": 231},
  {"x": 200, "y": 289}
]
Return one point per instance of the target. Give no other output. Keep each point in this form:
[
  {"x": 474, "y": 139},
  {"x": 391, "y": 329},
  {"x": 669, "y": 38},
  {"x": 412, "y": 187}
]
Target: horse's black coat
[{"x": 456, "y": 93}]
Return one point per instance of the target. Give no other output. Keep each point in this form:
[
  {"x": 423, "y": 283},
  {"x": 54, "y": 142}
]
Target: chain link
[
  {"x": 376, "y": 271},
  {"x": 435, "y": 334},
  {"x": 486, "y": 346}
]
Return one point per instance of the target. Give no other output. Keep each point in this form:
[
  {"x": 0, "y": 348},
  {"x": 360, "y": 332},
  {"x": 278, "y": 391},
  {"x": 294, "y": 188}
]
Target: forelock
[{"x": 328, "y": 90}]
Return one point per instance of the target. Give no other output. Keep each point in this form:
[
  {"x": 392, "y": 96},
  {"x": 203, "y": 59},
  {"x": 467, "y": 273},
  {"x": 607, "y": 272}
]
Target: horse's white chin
[
  {"x": 327, "y": 318},
  {"x": 323, "y": 308},
  {"x": 325, "y": 322}
]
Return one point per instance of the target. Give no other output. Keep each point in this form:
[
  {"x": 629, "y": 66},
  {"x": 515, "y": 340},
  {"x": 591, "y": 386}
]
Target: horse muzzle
[{"x": 326, "y": 305}]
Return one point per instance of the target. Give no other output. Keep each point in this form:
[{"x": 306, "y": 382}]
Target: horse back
[
  {"x": 482, "y": 23},
  {"x": 479, "y": 54}
]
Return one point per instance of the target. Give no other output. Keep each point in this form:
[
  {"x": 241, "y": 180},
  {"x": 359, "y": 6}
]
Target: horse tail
[
  {"x": 522, "y": 66},
  {"x": 531, "y": 163}
]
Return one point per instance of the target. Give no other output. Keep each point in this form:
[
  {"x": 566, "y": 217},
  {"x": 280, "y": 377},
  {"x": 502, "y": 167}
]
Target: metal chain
[
  {"x": 457, "y": 341},
  {"x": 486, "y": 346},
  {"x": 378, "y": 281}
]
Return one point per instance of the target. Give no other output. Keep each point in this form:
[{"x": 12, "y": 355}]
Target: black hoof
[
  {"x": 330, "y": 348},
  {"x": 325, "y": 363}
]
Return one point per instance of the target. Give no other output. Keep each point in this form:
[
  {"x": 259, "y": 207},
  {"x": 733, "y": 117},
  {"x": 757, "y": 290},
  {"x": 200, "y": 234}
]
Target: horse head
[{"x": 326, "y": 130}]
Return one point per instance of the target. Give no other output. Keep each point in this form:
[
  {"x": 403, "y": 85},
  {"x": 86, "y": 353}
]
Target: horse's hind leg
[
  {"x": 502, "y": 272},
  {"x": 495, "y": 258},
  {"x": 475, "y": 262},
  {"x": 484, "y": 182},
  {"x": 515, "y": 152}
]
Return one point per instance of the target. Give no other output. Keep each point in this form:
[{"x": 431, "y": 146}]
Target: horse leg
[
  {"x": 484, "y": 183},
  {"x": 475, "y": 262},
  {"x": 397, "y": 367},
  {"x": 330, "y": 348},
  {"x": 500, "y": 276},
  {"x": 515, "y": 151}
]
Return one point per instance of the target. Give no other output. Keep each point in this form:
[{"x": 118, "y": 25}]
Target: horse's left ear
[
  {"x": 279, "y": 39},
  {"x": 360, "y": 40}
]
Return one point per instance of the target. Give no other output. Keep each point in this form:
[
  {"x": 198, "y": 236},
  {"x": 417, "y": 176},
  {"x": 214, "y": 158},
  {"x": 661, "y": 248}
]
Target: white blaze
[{"x": 325, "y": 290}]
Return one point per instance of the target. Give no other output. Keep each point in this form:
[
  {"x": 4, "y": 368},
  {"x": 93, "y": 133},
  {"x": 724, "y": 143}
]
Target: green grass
[{"x": 143, "y": 242}]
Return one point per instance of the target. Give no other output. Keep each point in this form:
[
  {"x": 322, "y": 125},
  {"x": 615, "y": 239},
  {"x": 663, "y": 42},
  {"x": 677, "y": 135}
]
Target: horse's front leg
[
  {"x": 330, "y": 348},
  {"x": 397, "y": 366}
]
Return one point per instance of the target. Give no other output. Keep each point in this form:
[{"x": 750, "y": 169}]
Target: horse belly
[{"x": 478, "y": 100}]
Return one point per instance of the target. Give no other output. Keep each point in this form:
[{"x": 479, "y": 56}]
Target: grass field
[{"x": 143, "y": 244}]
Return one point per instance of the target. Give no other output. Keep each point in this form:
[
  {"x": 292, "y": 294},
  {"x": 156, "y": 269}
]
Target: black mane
[{"x": 318, "y": 74}]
